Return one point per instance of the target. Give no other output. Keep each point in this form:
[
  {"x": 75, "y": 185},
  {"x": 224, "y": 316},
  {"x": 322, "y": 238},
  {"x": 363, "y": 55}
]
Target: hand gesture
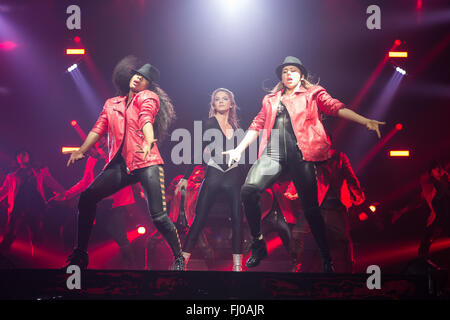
[
  {"x": 76, "y": 155},
  {"x": 146, "y": 149},
  {"x": 181, "y": 184},
  {"x": 57, "y": 197},
  {"x": 234, "y": 156},
  {"x": 374, "y": 126}
]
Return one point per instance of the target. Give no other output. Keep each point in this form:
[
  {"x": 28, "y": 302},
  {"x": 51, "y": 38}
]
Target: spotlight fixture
[
  {"x": 400, "y": 70},
  {"x": 72, "y": 67}
]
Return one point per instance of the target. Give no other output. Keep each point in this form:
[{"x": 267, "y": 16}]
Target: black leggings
[
  {"x": 275, "y": 221},
  {"x": 216, "y": 182},
  {"x": 283, "y": 155},
  {"x": 114, "y": 178}
]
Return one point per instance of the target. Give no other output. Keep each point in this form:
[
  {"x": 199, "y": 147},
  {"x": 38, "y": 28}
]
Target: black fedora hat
[
  {"x": 291, "y": 61},
  {"x": 149, "y": 72}
]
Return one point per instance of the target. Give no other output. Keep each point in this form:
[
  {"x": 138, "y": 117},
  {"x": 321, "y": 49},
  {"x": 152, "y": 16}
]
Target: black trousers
[
  {"x": 266, "y": 170},
  {"x": 217, "y": 182},
  {"x": 114, "y": 178}
]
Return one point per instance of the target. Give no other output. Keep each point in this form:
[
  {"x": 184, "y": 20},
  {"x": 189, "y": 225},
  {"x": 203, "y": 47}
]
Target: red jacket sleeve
[
  {"x": 356, "y": 193},
  {"x": 101, "y": 126},
  {"x": 87, "y": 179},
  {"x": 326, "y": 103},
  {"x": 258, "y": 122},
  {"x": 148, "y": 103},
  {"x": 4, "y": 189},
  {"x": 51, "y": 182}
]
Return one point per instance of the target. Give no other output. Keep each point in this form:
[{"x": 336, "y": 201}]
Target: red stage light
[
  {"x": 398, "y": 42},
  {"x": 398, "y": 126},
  {"x": 75, "y": 51},
  {"x": 419, "y": 4},
  {"x": 77, "y": 39},
  {"x": 363, "y": 216},
  {"x": 141, "y": 230},
  {"x": 73, "y": 123},
  {"x": 373, "y": 208}
]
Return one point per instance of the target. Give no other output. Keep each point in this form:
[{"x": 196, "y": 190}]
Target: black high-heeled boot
[
  {"x": 179, "y": 263},
  {"x": 259, "y": 252},
  {"x": 317, "y": 226},
  {"x": 79, "y": 258}
]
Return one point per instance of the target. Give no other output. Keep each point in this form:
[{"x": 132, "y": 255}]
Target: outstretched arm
[
  {"x": 235, "y": 154},
  {"x": 51, "y": 182},
  {"x": 353, "y": 116},
  {"x": 91, "y": 139}
]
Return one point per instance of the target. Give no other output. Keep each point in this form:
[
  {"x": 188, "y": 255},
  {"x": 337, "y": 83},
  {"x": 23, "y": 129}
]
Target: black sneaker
[
  {"x": 79, "y": 258},
  {"x": 259, "y": 252},
  {"x": 178, "y": 264}
]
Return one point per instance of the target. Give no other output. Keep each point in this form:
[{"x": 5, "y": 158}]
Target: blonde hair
[{"x": 232, "y": 116}]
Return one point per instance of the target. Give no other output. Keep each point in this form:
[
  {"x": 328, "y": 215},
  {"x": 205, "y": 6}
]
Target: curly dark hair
[{"x": 122, "y": 74}]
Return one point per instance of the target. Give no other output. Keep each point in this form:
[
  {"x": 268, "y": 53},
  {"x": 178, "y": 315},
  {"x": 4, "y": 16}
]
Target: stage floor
[{"x": 51, "y": 284}]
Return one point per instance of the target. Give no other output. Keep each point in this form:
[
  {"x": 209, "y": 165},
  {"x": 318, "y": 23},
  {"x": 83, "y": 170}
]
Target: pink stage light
[{"x": 7, "y": 45}]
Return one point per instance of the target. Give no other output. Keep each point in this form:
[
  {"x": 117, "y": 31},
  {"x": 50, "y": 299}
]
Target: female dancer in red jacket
[
  {"x": 293, "y": 139},
  {"x": 132, "y": 121}
]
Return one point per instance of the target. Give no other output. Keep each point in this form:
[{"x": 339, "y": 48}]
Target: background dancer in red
[{"x": 24, "y": 189}]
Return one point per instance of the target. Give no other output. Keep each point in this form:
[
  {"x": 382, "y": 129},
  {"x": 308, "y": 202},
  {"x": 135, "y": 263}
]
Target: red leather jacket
[
  {"x": 11, "y": 185},
  {"x": 336, "y": 174},
  {"x": 303, "y": 108},
  {"x": 122, "y": 123}
]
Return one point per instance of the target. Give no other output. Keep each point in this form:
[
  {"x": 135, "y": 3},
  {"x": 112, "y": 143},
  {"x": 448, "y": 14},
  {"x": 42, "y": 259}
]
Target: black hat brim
[
  {"x": 134, "y": 71},
  {"x": 300, "y": 66}
]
